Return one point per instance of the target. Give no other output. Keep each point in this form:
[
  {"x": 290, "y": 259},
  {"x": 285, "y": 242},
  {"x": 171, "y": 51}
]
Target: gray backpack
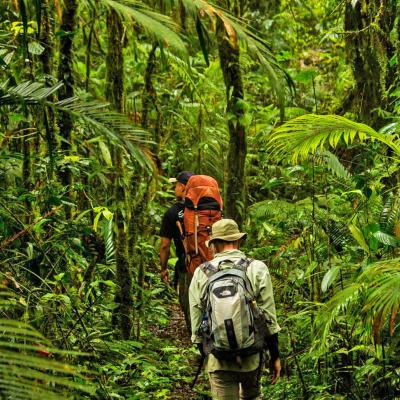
[{"x": 233, "y": 326}]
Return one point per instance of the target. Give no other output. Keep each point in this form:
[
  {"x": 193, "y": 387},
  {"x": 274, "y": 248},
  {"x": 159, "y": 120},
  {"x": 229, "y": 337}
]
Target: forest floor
[{"x": 176, "y": 335}]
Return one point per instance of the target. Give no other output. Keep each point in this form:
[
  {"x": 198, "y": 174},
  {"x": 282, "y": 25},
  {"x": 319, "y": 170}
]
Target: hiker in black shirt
[
  {"x": 169, "y": 230},
  {"x": 172, "y": 229}
]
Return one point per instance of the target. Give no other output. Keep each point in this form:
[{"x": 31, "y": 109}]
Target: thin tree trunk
[
  {"x": 140, "y": 205},
  {"x": 65, "y": 75},
  {"x": 46, "y": 58},
  {"x": 149, "y": 96},
  {"x": 114, "y": 93},
  {"x": 236, "y": 186},
  {"x": 27, "y": 169},
  {"x": 89, "y": 49}
]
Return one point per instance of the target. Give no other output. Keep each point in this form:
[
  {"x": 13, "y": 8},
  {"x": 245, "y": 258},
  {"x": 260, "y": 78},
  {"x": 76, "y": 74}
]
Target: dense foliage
[{"x": 292, "y": 105}]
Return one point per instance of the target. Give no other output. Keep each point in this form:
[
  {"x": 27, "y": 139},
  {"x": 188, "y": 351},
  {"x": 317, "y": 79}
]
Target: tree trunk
[
  {"x": 368, "y": 25},
  {"x": 235, "y": 197},
  {"x": 65, "y": 75},
  {"x": 115, "y": 62},
  {"x": 149, "y": 96},
  {"x": 46, "y": 58},
  {"x": 114, "y": 93}
]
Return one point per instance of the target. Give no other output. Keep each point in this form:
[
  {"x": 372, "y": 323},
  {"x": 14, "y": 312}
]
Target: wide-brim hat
[
  {"x": 182, "y": 177},
  {"x": 227, "y": 230}
]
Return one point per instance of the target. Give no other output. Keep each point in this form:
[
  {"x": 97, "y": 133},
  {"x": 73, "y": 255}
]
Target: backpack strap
[
  {"x": 209, "y": 268},
  {"x": 243, "y": 263},
  {"x": 236, "y": 272}
]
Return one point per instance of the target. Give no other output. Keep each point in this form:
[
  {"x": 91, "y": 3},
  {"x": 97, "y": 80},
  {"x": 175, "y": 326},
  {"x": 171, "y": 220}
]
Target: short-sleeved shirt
[{"x": 169, "y": 228}]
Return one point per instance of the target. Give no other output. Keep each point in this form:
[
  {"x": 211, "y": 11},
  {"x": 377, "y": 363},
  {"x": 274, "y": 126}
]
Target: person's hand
[
  {"x": 276, "y": 370},
  {"x": 165, "y": 276},
  {"x": 200, "y": 349}
]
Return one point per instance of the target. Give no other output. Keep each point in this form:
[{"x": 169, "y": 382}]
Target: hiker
[
  {"x": 234, "y": 369},
  {"x": 172, "y": 229}
]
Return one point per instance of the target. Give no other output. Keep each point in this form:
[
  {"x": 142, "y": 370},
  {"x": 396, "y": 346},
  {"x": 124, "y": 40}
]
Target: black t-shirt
[{"x": 170, "y": 230}]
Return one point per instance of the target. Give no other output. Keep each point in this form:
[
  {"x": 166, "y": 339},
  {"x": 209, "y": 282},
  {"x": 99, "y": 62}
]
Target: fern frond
[
  {"x": 339, "y": 234},
  {"x": 269, "y": 209},
  {"x": 25, "y": 370},
  {"x": 333, "y": 164},
  {"x": 390, "y": 213},
  {"x": 109, "y": 240},
  {"x": 304, "y": 135}
]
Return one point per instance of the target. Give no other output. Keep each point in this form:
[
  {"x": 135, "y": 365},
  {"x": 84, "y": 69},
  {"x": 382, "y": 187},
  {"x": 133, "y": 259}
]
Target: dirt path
[{"x": 176, "y": 332}]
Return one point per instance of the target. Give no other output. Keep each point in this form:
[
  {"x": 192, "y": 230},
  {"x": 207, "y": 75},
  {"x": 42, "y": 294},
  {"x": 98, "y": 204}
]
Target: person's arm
[
  {"x": 195, "y": 290},
  {"x": 164, "y": 256},
  {"x": 262, "y": 285},
  {"x": 166, "y": 235},
  {"x": 265, "y": 300},
  {"x": 275, "y": 361}
]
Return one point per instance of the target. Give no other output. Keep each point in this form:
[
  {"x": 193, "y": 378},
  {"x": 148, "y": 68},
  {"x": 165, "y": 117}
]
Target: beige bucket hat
[{"x": 225, "y": 229}]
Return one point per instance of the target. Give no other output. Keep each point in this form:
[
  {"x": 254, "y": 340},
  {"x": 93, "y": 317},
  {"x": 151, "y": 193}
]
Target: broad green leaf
[
  {"x": 359, "y": 237},
  {"x": 330, "y": 277},
  {"x": 105, "y": 152}
]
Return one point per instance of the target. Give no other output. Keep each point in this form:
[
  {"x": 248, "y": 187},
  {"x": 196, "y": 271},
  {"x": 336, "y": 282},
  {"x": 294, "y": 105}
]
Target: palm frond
[
  {"x": 116, "y": 127},
  {"x": 376, "y": 291},
  {"x": 382, "y": 292},
  {"x": 332, "y": 311},
  {"x": 160, "y": 26},
  {"x": 237, "y": 29},
  {"x": 304, "y": 135},
  {"x": 27, "y": 93}
]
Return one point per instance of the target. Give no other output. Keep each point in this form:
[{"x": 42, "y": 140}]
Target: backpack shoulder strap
[
  {"x": 209, "y": 268},
  {"x": 243, "y": 263}
]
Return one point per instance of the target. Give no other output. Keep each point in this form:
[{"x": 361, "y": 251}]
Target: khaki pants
[
  {"x": 228, "y": 385},
  {"x": 184, "y": 280}
]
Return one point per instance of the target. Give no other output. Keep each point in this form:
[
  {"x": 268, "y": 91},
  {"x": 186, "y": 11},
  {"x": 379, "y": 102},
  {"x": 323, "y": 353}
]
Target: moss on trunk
[
  {"x": 65, "y": 75},
  {"x": 114, "y": 93},
  {"x": 369, "y": 25},
  {"x": 235, "y": 197}
]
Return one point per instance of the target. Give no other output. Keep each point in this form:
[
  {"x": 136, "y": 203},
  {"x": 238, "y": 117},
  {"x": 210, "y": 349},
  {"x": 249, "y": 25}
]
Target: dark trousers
[{"x": 182, "y": 282}]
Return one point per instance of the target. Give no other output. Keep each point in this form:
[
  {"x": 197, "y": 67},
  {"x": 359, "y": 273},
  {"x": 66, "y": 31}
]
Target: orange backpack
[{"x": 203, "y": 207}]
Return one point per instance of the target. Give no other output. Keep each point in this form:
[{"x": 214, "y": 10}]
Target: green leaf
[
  {"x": 38, "y": 226},
  {"x": 35, "y": 48},
  {"x": 108, "y": 214},
  {"x": 330, "y": 277},
  {"x": 386, "y": 239},
  {"x": 359, "y": 237},
  {"x": 106, "y": 154},
  {"x": 96, "y": 221},
  {"x": 304, "y": 135}
]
